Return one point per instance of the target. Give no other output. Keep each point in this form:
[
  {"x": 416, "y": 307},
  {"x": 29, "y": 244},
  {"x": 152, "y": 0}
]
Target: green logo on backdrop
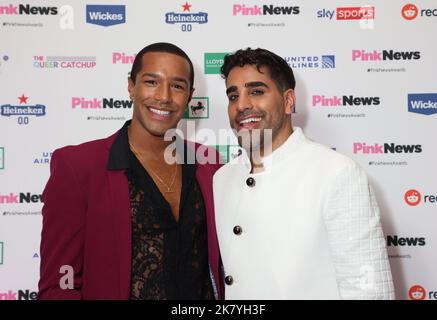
[
  {"x": 1, "y": 252},
  {"x": 213, "y": 62},
  {"x": 2, "y": 158},
  {"x": 228, "y": 152},
  {"x": 198, "y": 108}
]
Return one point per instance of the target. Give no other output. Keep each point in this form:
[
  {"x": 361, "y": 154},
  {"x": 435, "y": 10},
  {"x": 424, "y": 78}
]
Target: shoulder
[
  {"x": 207, "y": 157},
  {"x": 81, "y": 154},
  {"x": 322, "y": 155}
]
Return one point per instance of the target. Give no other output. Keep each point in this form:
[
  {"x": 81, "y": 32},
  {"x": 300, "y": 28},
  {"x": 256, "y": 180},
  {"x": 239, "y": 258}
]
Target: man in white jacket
[{"x": 300, "y": 221}]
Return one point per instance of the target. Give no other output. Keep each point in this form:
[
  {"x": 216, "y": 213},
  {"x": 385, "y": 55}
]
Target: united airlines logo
[
  {"x": 423, "y": 103},
  {"x": 105, "y": 15},
  {"x": 311, "y": 62}
]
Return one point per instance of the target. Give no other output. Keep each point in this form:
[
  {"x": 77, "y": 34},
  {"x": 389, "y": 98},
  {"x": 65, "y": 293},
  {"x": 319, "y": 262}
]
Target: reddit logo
[
  {"x": 417, "y": 293},
  {"x": 412, "y": 197},
  {"x": 409, "y": 11}
]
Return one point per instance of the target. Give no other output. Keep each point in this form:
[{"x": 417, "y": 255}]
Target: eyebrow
[
  {"x": 157, "y": 76},
  {"x": 255, "y": 84},
  {"x": 251, "y": 84}
]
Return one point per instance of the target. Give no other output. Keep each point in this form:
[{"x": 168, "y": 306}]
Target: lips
[
  {"x": 159, "y": 114},
  {"x": 248, "y": 122}
]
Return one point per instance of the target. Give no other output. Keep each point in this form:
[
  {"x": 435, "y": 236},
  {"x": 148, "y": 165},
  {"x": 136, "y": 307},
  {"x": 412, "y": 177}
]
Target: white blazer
[{"x": 308, "y": 228}]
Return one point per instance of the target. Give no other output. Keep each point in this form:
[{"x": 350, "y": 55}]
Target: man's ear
[
  {"x": 289, "y": 99},
  {"x": 190, "y": 96},
  {"x": 130, "y": 87}
]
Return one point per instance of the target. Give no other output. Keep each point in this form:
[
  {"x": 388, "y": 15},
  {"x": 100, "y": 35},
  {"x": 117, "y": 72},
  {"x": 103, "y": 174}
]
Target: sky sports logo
[
  {"x": 413, "y": 197},
  {"x": 345, "y": 100},
  {"x": 244, "y": 10},
  {"x": 348, "y": 13},
  {"x": 376, "y": 148},
  {"x": 423, "y": 103},
  {"x": 105, "y": 15},
  {"x": 380, "y": 55}
]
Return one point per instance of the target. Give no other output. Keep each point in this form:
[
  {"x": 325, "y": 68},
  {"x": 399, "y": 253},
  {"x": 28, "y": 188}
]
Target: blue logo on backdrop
[
  {"x": 311, "y": 62},
  {"x": 423, "y": 103},
  {"x": 105, "y": 15},
  {"x": 328, "y": 62}
]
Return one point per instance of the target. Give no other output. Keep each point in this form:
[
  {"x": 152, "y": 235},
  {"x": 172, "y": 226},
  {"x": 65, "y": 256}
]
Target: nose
[
  {"x": 244, "y": 103},
  {"x": 163, "y": 93}
]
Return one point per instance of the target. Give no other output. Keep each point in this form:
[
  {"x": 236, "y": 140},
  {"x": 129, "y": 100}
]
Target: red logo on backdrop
[
  {"x": 412, "y": 197},
  {"x": 409, "y": 11},
  {"x": 356, "y": 13},
  {"x": 417, "y": 292}
]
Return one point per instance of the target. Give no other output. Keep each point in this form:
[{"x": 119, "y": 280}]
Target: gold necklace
[{"x": 169, "y": 190}]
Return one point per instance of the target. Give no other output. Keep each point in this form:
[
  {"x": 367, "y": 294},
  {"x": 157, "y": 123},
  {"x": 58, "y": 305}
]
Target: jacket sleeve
[
  {"x": 356, "y": 238},
  {"x": 62, "y": 236}
]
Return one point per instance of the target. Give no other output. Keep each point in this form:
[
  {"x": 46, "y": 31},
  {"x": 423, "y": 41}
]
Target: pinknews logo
[
  {"x": 360, "y": 147},
  {"x": 20, "y": 198},
  {"x": 241, "y": 9},
  {"x": 28, "y": 10},
  {"x": 336, "y": 101},
  {"x": 94, "y": 103},
  {"x": 121, "y": 57},
  {"x": 20, "y": 295},
  {"x": 380, "y": 55}
]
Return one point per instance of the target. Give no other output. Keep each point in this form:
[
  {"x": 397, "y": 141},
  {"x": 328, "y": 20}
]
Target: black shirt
[{"x": 169, "y": 258}]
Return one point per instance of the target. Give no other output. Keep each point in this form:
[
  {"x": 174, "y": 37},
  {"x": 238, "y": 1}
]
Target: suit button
[
  {"x": 250, "y": 182},
  {"x": 237, "y": 230},
  {"x": 229, "y": 280}
]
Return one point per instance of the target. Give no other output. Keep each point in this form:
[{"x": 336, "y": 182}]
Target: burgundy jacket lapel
[{"x": 121, "y": 214}]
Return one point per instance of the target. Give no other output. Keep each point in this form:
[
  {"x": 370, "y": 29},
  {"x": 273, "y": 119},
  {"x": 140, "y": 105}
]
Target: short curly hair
[{"x": 279, "y": 70}]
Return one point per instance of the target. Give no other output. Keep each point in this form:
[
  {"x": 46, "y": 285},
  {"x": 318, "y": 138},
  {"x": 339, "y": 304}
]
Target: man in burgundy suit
[{"x": 121, "y": 222}]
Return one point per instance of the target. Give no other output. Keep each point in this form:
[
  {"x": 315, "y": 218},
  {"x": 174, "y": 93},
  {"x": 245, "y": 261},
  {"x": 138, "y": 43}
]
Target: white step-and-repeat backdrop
[{"x": 366, "y": 86}]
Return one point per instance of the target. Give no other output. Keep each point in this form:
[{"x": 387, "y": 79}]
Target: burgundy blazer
[{"x": 87, "y": 225}]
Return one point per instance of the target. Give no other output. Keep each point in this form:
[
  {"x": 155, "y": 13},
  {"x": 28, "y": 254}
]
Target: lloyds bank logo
[
  {"x": 198, "y": 108},
  {"x": 214, "y": 61}
]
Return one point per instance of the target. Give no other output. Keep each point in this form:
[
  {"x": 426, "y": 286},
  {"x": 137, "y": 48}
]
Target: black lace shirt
[{"x": 169, "y": 257}]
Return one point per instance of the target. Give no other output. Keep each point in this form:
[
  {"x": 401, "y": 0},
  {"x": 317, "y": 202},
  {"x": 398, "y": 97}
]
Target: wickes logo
[
  {"x": 241, "y": 9},
  {"x": 105, "y": 15},
  {"x": 423, "y": 103},
  {"x": 361, "y": 147},
  {"x": 350, "y": 100},
  {"x": 20, "y": 198},
  {"x": 394, "y": 240}
]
